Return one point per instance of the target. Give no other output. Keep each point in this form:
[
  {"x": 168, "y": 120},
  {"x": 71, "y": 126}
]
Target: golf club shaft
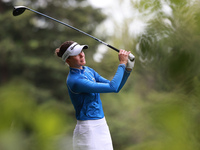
[
  {"x": 74, "y": 29},
  {"x": 131, "y": 56}
]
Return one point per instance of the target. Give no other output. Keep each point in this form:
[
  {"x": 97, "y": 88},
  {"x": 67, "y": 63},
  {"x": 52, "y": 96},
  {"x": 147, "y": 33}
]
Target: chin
[{"x": 83, "y": 63}]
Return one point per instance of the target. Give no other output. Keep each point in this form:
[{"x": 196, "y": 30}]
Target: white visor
[{"x": 73, "y": 50}]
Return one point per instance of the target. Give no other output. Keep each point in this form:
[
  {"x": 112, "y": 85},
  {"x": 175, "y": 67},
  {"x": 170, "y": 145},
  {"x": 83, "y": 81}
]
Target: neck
[{"x": 81, "y": 67}]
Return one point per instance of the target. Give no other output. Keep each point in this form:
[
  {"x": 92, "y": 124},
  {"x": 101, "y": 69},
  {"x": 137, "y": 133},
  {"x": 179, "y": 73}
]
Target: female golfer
[{"x": 84, "y": 86}]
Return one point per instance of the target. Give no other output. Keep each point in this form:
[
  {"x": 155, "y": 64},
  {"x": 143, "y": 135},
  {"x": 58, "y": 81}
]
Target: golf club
[{"x": 18, "y": 10}]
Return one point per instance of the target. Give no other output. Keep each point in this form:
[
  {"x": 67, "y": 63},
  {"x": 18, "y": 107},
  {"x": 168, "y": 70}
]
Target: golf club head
[{"x": 18, "y": 10}]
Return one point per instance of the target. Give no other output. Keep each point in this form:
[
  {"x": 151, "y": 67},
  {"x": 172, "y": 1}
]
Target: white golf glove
[{"x": 130, "y": 63}]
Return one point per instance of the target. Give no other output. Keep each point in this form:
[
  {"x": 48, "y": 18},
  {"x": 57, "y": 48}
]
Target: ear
[{"x": 67, "y": 61}]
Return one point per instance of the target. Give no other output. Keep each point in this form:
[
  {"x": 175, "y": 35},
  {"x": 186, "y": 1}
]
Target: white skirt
[{"x": 92, "y": 135}]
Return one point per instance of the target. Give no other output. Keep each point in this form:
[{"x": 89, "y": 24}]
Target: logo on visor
[{"x": 71, "y": 48}]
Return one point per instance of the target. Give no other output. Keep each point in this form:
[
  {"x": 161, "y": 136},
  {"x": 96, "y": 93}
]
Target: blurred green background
[{"x": 157, "y": 109}]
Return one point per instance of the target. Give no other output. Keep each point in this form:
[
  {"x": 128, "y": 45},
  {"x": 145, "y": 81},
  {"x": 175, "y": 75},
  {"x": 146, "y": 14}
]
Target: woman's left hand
[{"x": 123, "y": 56}]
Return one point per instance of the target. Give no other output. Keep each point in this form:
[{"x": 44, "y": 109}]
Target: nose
[{"x": 81, "y": 54}]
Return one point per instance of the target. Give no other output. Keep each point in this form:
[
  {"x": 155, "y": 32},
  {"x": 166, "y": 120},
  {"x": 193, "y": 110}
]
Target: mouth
[{"x": 83, "y": 60}]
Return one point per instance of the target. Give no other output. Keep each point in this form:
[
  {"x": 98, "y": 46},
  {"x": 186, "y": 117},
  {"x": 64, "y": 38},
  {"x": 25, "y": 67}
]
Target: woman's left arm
[
  {"x": 101, "y": 79},
  {"x": 125, "y": 77}
]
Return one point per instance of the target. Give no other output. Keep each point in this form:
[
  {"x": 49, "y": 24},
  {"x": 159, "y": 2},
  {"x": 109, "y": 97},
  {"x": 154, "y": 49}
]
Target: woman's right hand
[{"x": 123, "y": 56}]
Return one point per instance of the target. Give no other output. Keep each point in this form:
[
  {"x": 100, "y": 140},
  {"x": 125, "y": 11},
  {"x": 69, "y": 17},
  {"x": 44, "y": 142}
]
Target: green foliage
[
  {"x": 26, "y": 124},
  {"x": 36, "y": 112},
  {"x": 29, "y": 41},
  {"x": 157, "y": 109},
  {"x": 170, "y": 120},
  {"x": 172, "y": 50}
]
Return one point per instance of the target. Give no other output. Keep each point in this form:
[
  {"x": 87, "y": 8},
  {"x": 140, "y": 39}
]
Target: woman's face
[{"x": 77, "y": 61}]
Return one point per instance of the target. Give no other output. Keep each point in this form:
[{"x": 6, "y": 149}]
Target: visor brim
[{"x": 77, "y": 49}]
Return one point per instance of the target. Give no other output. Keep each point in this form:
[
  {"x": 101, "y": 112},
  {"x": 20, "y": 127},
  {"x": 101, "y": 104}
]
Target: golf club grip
[{"x": 131, "y": 56}]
